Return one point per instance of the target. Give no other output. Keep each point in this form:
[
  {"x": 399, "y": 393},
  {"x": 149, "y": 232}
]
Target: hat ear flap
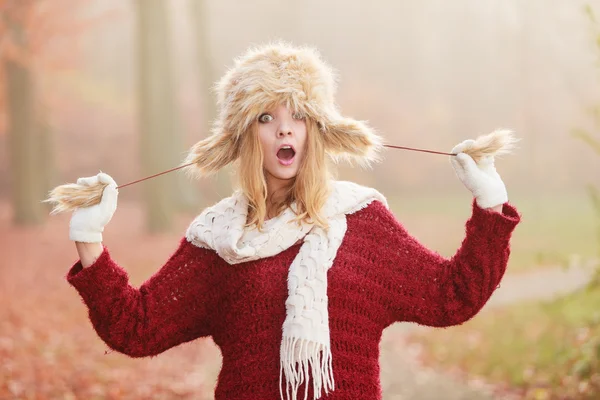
[
  {"x": 211, "y": 154},
  {"x": 351, "y": 140}
]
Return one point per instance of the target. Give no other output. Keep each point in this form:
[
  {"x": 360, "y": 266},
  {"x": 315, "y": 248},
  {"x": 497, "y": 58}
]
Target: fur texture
[
  {"x": 71, "y": 196},
  {"x": 497, "y": 143},
  {"x": 275, "y": 74}
]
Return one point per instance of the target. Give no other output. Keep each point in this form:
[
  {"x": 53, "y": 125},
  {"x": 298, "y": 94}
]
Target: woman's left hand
[{"x": 480, "y": 178}]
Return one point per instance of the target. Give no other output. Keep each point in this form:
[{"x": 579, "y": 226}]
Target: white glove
[
  {"x": 480, "y": 178},
  {"x": 87, "y": 223}
]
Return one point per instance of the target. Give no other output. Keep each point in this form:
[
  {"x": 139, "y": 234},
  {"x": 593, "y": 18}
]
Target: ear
[
  {"x": 351, "y": 140},
  {"x": 213, "y": 153}
]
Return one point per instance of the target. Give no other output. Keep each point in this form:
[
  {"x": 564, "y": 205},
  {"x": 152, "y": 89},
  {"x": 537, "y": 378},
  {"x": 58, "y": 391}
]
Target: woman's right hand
[{"x": 87, "y": 223}]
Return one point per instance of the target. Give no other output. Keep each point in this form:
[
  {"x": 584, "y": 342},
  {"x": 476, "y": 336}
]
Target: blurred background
[{"x": 125, "y": 87}]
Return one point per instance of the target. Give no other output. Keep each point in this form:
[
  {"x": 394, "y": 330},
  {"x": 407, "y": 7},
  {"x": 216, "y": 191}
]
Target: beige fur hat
[{"x": 271, "y": 75}]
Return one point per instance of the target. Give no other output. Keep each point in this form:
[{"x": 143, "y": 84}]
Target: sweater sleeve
[
  {"x": 428, "y": 289},
  {"x": 170, "y": 308}
]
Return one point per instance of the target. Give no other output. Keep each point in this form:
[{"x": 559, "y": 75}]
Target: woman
[{"x": 295, "y": 276}]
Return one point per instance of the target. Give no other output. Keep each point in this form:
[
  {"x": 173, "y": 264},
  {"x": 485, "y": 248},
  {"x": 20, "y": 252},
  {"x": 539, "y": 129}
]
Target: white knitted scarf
[{"x": 305, "y": 346}]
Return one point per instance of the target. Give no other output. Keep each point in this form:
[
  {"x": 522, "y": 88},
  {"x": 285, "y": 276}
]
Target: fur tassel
[
  {"x": 72, "y": 196},
  {"x": 497, "y": 143},
  {"x": 352, "y": 141}
]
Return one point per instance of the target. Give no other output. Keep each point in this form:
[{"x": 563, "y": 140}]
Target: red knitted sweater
[{"x": 381, "y": 275}]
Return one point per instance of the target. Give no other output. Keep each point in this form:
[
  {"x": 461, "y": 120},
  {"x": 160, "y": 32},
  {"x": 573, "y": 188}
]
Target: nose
[{"x": 284, "y": 130}]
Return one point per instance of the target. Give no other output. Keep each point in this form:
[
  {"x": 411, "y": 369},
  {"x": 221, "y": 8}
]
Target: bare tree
[
  {"x": 27, "y": 178},
  {"x": 200, "y": 17},
  {"x": 161, "y": 142}
]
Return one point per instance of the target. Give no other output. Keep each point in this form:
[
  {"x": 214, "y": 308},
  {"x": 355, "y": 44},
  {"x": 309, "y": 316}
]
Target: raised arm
[
  {"x": 172, "y": 307},
  {"x": 432, "y": 290},
  {"x": 423, "y": 287}
]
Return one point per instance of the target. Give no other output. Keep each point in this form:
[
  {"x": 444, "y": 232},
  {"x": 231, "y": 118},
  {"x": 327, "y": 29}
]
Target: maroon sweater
[{"x": 381, "y": 275}]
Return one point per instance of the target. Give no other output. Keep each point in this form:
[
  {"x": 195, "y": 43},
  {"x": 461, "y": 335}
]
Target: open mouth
[{"x": 286, "y": 155}]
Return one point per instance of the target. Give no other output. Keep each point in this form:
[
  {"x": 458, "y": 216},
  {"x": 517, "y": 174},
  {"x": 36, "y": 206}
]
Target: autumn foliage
[{"x": 42, "y": 36}]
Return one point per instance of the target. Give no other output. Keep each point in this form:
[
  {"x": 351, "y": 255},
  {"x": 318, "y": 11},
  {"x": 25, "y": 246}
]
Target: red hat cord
[{"x": 71, "y": 196}]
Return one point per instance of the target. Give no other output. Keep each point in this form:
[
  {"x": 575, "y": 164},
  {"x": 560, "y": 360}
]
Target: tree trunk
[
  {"x": 200, "y": 18},
  {"x": 23, "y": 132},
  {"x": 160, "y": 140}
]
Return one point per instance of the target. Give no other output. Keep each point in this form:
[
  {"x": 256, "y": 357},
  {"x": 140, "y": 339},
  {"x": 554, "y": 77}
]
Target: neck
[{"x": 276, "y": 190}]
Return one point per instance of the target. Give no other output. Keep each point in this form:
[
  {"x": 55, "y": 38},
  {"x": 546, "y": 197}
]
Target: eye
[
  {"x": 298, "y": 115},
  {"x": 264, "y": 118}
]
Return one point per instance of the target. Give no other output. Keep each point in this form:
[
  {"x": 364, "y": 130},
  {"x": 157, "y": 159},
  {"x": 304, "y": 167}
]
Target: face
[{"x": 282, "y": 136}]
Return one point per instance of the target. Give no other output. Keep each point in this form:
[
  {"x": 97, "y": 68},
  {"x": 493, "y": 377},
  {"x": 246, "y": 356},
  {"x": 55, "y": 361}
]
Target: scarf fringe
[
  {"x": 301, "y": 358},
  {"x": 305, "y": 347}
]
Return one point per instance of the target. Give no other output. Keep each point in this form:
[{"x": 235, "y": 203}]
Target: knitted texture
[
  {"x": 305, "y": 347},
  {"x": 381, "y": 275}
]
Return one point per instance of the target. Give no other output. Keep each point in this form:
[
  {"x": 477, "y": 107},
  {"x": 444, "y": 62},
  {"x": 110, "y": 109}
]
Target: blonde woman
[{"x": 296, "y": 275}]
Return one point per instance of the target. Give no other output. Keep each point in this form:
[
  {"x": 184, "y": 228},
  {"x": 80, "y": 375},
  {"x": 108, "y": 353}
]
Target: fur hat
[{"x": 276, "y": 74}]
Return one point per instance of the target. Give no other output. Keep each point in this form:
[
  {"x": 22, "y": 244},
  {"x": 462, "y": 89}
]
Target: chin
[{"x": 283, "y": 174}]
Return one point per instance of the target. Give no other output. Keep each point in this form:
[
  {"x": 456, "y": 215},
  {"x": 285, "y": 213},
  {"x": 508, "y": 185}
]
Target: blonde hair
[{"x": 310, "y": 187}]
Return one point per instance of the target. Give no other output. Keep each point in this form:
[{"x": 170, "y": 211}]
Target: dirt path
[
  {"x": 542, "y": 284},
  {"x": 403, "y": 378}
]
